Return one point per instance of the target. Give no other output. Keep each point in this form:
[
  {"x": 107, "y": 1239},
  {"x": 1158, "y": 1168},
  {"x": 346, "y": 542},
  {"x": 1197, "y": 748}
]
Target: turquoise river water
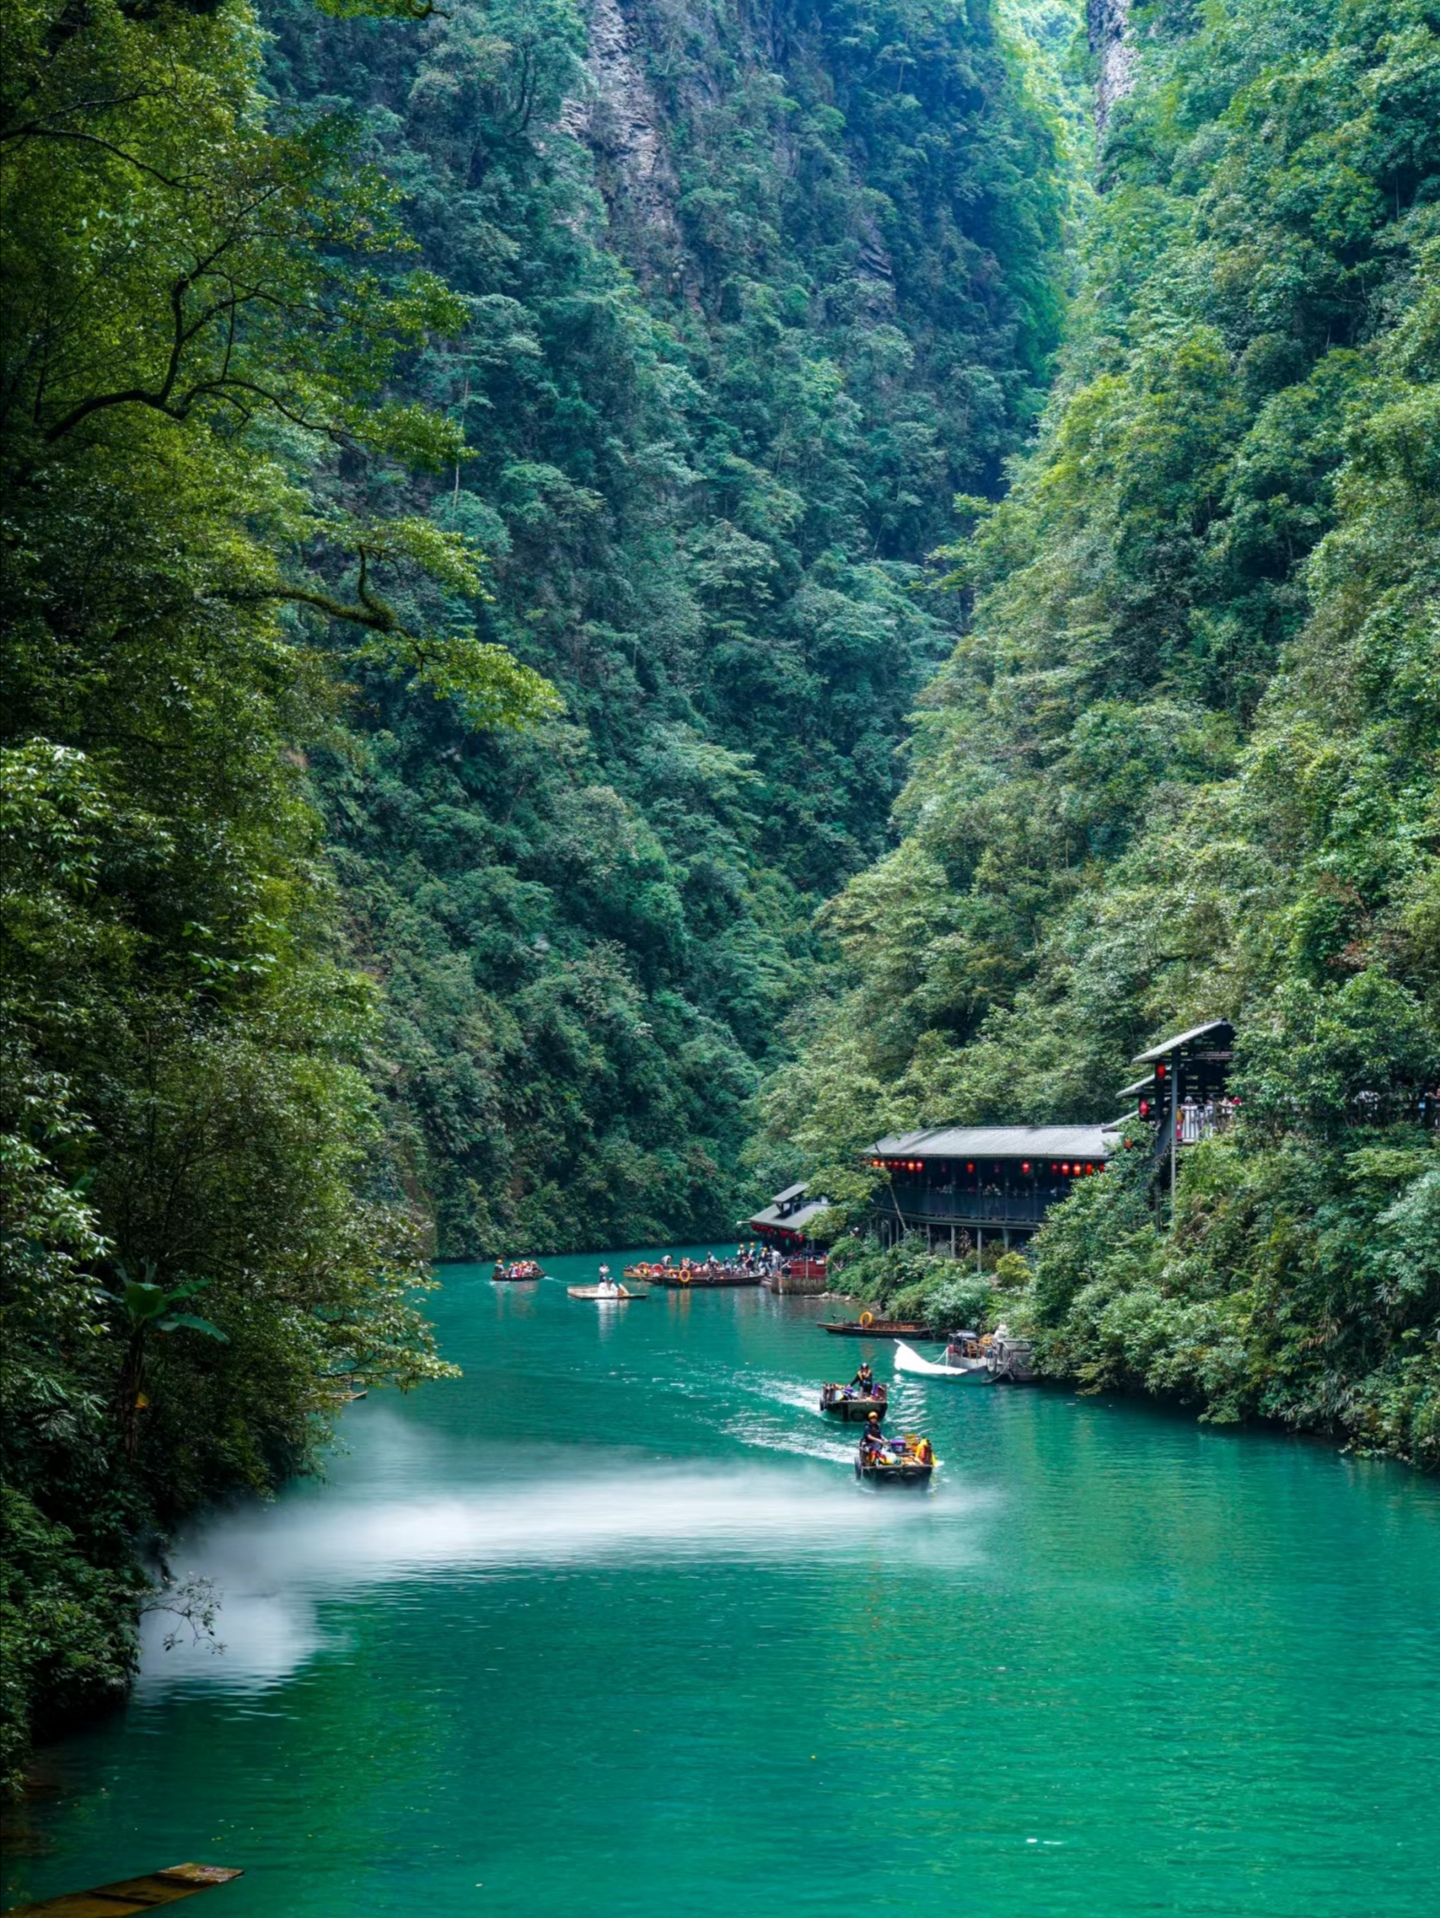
[{"x": 608, "y": 1627}]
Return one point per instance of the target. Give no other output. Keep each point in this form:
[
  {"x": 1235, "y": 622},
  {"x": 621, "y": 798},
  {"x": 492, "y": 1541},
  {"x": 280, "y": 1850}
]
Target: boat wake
[{"x": 276, "y": 1567}]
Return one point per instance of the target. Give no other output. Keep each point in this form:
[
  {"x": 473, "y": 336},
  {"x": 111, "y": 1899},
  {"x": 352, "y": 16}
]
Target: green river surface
[{"x": 607, "y": 1627}]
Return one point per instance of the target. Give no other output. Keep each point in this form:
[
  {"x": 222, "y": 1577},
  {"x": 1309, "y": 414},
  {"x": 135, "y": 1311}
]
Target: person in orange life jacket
[{"x": 864, "y": 1382}]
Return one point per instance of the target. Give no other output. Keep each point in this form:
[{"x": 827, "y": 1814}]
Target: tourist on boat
[
  {"x": 607, "y": 1287},
  {"x": 922, "y": 1451}
]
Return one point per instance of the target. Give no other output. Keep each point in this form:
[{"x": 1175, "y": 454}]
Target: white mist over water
[{"x": 277, "y": 1566}]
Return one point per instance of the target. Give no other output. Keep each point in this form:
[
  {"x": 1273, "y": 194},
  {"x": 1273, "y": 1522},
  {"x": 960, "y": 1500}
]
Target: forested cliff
[
  {"x": 1182, "y": 764},
  {"x": 750, "y": 299},
  {"x": 466, "y": 472},
  {"x": 488, "y": 490}
]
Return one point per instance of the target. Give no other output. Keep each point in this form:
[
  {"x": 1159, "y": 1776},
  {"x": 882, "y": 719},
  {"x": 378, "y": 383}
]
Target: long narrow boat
[
  {"x": 130, "y": 1895},
  {"x": 621, "y": 1296},
  {"x": 868, "y": 1328},
  {"x": 845, "y": 1403},
  {"x": 712, "y": 1281},
  {"x": 968, "y": 1371},
  {"x": 523, "y": 1272}
]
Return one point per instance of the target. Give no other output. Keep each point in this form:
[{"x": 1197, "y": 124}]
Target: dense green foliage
[
  {"x": 718, "y": 391},
  {"x": 1183, "y": 763},
  {"x": 201, "y": 317},
  {"x": 361, "y": 387},
  {"x": 469, "y": 477}
]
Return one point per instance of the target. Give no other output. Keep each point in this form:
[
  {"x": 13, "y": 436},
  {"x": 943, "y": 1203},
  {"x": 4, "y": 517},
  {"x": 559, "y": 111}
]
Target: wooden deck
[{"x": 130, "y": 1895}]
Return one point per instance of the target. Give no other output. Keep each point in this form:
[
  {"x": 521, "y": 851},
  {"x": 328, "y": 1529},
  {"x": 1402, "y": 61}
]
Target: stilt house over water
[
  {"x": 961, "y": 1188},
  {"x": 785, "y": 1222}
]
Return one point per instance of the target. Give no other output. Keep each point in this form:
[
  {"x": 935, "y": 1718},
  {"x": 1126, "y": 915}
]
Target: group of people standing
[{"x": 1195, "y": 1121}]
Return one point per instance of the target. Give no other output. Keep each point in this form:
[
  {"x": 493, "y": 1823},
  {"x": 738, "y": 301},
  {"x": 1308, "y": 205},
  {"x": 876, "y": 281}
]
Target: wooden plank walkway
[{"x": 130, "y": 1895}]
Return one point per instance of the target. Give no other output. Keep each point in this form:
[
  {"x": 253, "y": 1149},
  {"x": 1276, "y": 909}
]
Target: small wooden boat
[
  {"x": 973, "y": 1371},
  {"x": 131, "y": 1894},
  {"x": 866, "y": 1327},
  {"x": 893, "y": 1464},
  {"x": 523, "y": 1272},
  {"x": 844, "y": 1402},
  {"x": 603, "y": 1294}
]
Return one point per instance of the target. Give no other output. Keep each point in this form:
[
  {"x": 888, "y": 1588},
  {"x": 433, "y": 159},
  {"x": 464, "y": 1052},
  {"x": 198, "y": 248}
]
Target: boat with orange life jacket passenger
[
  {"x": 907, "y": 1461},
  {"x": 697, "y": 1275},
  {"x": 521, "y": 1272}
]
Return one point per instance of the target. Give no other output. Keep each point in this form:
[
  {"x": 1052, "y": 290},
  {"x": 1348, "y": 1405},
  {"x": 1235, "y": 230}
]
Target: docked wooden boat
[
  {"x": 967, "y": 1370},
  {"x": 866, "y": 1327},
  {"x": 131, "y": 1895},
  {"x": 701, "y": 1278},
  {"x": 894, "y": 1463},
  {"x": 844, "y": 1402},
  {"x": 603, "y": 1294}
]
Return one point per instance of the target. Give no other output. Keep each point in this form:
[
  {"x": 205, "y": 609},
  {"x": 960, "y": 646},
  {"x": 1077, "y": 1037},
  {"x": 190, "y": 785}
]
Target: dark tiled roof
[
  {"x": 795, "y": 1221},
  {"x": 1167, "y": 1046},
  {"x": 1000, "y": 1142}
]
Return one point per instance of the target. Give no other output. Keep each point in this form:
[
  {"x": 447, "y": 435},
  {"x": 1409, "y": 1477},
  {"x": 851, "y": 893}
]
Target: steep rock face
[
  {"x": 739, "y": 337},
  {"x": 619, "y": 120},
  {"x": 1108, "y": 25}
]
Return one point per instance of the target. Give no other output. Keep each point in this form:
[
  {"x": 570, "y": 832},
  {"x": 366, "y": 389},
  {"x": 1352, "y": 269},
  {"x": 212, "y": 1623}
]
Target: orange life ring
[{"x": 867, "y": 1318}]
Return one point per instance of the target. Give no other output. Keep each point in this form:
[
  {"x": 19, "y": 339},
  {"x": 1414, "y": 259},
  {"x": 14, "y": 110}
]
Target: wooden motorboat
[
  {"x": 953, "y": 1366},
  {"x": 132, "y": 1894},
  {"x": 522, "y": 1272},
  {"x": 866, "y": 1327},
  {"x": 893, "y": 1463},
  {"x": 618, "y": 1295},
  {"x": 844, "y": 1402}
]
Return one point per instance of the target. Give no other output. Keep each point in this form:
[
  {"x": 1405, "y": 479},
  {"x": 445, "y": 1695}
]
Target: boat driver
[
  {"x": 864, "y": 1382},
  {"x": 872, "y": 1439}
]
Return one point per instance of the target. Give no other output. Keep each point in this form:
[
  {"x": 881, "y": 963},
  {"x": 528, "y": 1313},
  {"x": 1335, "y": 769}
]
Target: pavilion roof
[
  {"x": 1167, "y": 1046},
  {"x": 1000, "y": 1142},
  {"x": 795, "y": 1220}
]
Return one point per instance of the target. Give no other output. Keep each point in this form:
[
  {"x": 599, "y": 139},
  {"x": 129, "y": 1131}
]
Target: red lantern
[{"x": 1025, "y": 1165}]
